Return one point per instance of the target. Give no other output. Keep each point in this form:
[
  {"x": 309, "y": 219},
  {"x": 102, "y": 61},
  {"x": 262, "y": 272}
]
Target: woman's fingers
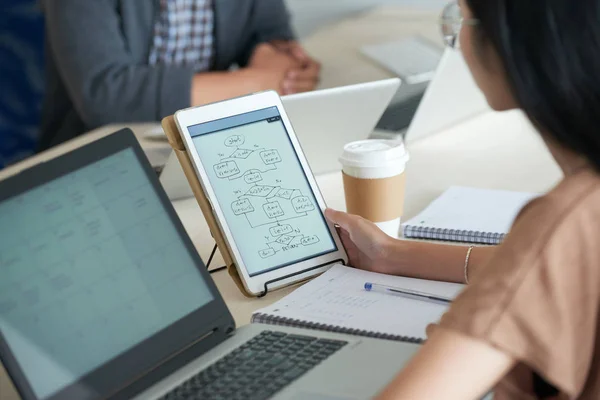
[
  {"x": 351, "y": 250},
  {"x": 347, "y": 240},
  {"x": 344, "y": 220},
  {"x": 430, "y": 329}
]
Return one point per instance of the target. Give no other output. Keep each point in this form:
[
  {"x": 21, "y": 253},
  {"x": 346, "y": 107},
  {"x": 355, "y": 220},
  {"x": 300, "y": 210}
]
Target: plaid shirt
[{"x": 183, "y": 34}]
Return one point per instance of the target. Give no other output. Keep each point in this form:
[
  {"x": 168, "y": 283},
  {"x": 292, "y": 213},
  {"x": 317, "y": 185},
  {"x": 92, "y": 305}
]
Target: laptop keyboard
[{"x": 258, "y": 369}]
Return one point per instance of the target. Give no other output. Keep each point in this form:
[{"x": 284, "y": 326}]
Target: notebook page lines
[{"x": 338, "y": 298}]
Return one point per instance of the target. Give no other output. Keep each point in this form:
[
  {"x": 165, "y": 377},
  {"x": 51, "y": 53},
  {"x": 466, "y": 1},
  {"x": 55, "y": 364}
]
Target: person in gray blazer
[{"x": 120, "y": 61}]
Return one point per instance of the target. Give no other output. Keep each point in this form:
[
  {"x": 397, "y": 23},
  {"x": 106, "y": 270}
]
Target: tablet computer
[{"x": 262, "y": 192}]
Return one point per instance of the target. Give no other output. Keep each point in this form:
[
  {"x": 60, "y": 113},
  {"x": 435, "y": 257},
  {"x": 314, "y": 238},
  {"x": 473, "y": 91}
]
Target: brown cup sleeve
[{"x": 377, "y": 200}]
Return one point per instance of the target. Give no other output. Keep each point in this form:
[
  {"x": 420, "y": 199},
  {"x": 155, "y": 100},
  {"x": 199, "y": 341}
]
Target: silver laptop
[
  {"x": 449, "y": 99},
  {"x": 324, "y": 121},
  {"x": 103, "y": 296}
]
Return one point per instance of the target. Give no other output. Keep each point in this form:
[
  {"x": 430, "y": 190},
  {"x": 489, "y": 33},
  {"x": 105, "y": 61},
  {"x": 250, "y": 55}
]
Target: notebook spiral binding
[
  {"x": 261, "y": 318},
  {"x": 453, "y": 235}
]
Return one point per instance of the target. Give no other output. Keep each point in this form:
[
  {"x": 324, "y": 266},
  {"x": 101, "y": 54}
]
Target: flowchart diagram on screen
[{"x": 264, "y": 199}]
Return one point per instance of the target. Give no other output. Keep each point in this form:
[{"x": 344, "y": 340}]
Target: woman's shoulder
[
  {"x": 548, "y": 232},
  {"x": 570, "y": 206},
  {"x": 538, "y": 297},
  {"x": 557, "y": 229}
]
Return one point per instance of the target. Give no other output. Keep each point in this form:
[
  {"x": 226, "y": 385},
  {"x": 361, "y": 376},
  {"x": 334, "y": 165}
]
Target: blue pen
[{"x": 413, "y": 294}]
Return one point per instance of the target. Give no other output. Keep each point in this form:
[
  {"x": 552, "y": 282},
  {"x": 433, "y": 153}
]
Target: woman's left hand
[{"x": 367, "y": 246}]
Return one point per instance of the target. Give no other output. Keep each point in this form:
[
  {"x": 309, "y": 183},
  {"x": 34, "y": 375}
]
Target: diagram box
[
  {"x": 266, "y": 253},
  {"x": 285, "y": 239},
  {"x": 273, "y": 210},
  {"x": 253, "y": 177},
  {"x": 260, "y": 190},
  {"x": 234, "y": 141},
  {"x": 270, "y": 156},
  {"x": 242, "y": 206},
  {"x": 302, "y": 204},
  {"x": 242, "y": 153},
  {"x": 308, "y": 240},
  {"x": 285, "y": 193},
  {"x": 226, "y": 169},
  {"x": 281, "y": 230}
]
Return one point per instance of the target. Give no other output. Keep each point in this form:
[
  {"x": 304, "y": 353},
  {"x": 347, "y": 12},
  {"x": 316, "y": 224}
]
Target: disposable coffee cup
[{"x": 375, "y": 181}]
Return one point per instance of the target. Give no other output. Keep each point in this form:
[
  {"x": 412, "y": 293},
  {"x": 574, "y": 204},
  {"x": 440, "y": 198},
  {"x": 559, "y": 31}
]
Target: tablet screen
[{"x": 262, "y": 190}]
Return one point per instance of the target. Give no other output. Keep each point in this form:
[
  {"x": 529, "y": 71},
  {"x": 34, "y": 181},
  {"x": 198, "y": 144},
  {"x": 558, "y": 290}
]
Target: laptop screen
[{"x": 91, "y": 266}]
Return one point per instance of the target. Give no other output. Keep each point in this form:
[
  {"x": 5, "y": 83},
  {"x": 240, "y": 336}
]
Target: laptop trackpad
[{"x": 359, "y": 370}]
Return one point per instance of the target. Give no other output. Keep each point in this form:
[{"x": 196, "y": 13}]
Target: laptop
[
  {"x": 103, "y": 296},
  {"x": 450, "y": 98},
  {"x": 324, "y": 121}
]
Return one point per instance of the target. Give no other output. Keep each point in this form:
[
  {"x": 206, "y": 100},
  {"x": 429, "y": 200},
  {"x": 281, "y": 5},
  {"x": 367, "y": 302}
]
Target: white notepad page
[
  {"x": 338, "y": 298},
  {"x": 471, "y": 209}
]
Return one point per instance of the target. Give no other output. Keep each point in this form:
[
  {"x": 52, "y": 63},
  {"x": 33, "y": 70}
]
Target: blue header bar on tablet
[{"x": 234, "y": 121}]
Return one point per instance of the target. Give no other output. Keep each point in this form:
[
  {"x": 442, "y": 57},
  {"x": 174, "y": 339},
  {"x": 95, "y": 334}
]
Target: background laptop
[
  {"x": 102, "y": 295},
  {"x": 324, "y": 121},
  {"x": 415, "y": 61},
  {"x": 450, "y": 98}
]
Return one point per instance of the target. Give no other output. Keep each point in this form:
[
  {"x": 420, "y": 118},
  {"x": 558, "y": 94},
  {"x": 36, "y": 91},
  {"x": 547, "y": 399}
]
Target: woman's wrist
[
  {"x": 395, "y": 257},
  {"x": 424, "y": 260}
]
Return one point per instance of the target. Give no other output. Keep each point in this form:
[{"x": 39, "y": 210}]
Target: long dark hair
[{"x": 551, "y": 54}]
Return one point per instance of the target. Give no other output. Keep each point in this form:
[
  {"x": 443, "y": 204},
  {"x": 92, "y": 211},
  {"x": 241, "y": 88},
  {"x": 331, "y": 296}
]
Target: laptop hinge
[{"x": 177, "y": 360}]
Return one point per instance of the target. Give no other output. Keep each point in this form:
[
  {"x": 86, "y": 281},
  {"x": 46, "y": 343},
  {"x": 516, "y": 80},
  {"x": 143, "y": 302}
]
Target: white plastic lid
[{"x": 374, "y": 153}]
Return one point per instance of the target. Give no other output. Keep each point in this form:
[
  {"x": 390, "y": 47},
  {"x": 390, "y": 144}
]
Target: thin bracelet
[{"x": 467, "y": 264}]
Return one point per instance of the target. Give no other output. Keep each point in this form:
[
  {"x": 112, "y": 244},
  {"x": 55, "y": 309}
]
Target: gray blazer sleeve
[
  {"x": 101, "y": 77},
  {"x": 270, "y": 20}
]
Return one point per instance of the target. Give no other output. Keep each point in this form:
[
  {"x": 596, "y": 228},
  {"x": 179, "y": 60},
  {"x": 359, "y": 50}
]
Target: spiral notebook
[
  {"x": 337, "y": 302},
  {"x": 461, "y": 214}
]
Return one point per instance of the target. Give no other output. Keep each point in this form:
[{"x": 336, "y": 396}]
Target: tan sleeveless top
[{"x": 539, "y": 297}]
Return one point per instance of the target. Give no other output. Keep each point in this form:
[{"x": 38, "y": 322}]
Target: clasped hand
[{"x": 285, "y": 66}]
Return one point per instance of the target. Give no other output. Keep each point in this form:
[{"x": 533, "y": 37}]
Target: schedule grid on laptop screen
[{"x": 91, "y": 266}]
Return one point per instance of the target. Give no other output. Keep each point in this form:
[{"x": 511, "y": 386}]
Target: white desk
[
  {"x": 157, "y": 151},
  {"x": 491, "y": 151},
  {"x": 338, "y": 46}
]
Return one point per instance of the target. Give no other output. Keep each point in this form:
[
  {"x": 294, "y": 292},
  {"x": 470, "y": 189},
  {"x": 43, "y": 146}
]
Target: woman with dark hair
[{"x": 527, "y": 325}]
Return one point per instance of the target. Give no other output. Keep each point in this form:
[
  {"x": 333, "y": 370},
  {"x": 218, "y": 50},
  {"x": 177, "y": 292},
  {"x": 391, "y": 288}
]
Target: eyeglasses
[{"x": 452, "y": 22}]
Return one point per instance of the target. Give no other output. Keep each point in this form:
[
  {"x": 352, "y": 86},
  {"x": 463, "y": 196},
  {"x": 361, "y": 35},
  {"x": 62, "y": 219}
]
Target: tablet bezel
[{"x": 279, "y": 277}]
